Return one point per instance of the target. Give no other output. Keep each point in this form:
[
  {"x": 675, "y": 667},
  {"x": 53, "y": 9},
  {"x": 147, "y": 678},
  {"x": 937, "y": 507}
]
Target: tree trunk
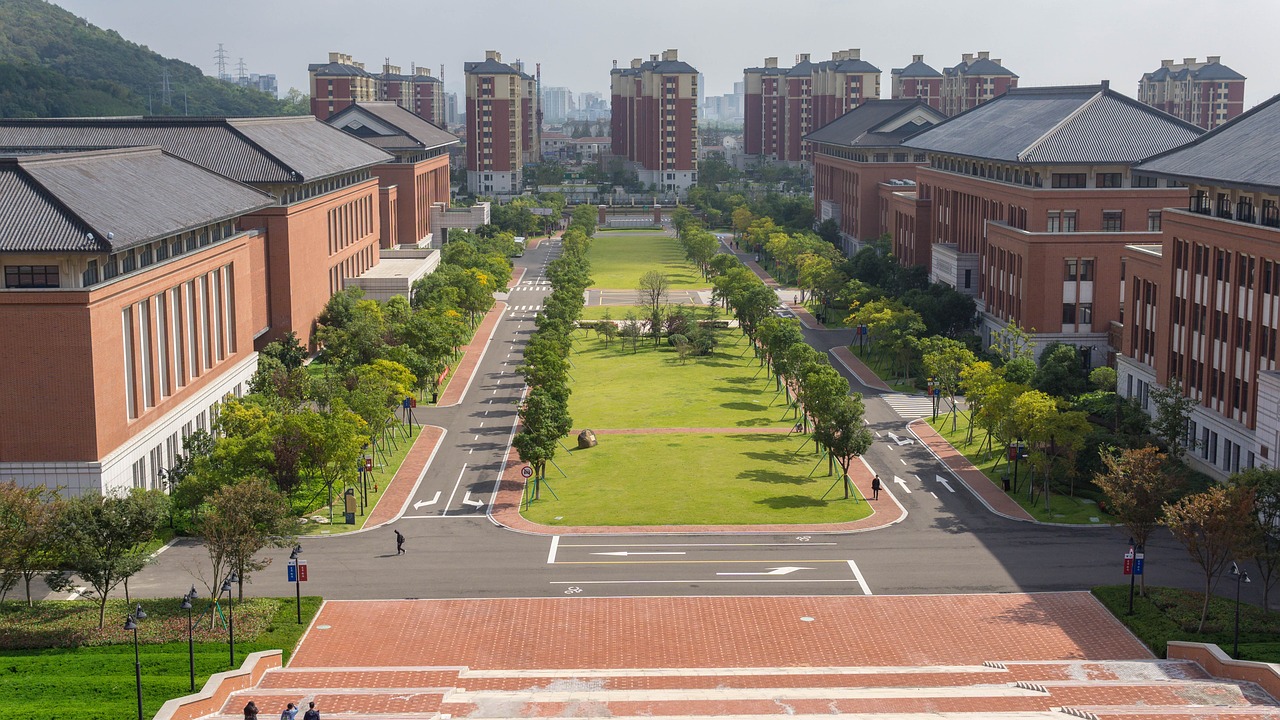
[
  {"x": 102, "y": 610},
  {"x": 27, "y": 582},
  {"x": 1204, "y": 610},
  {"x": 126, "y": 592}
]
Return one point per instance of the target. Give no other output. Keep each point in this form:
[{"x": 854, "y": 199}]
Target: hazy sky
[{"x": 1045, "y": 42}]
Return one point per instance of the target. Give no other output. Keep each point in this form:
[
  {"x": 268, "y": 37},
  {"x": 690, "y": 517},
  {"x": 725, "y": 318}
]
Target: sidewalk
[
  {"x": 395, "y": 497},
  {"x": 472, "y": 354},
  {"x": 859, "y": 369},
  {"x": 978, "y": 483}
]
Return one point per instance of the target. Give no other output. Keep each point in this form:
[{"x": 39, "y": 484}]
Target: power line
[{"x": 221, "y": 57}]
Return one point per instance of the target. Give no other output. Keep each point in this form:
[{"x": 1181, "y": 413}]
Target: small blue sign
[
  {"x": 293, "y": 572},
  {"x": 406, "y": 402},
  {"x": 1137, "y": 565}
]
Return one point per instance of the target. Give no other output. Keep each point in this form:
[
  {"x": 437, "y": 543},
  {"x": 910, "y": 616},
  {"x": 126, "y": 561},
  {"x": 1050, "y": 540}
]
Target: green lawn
[
  {"x": 1062, "y": 507},
  {"x": 615, "y": 388},
  {"x": 732, "y": 479},
  {"x": 97, "y": 683},
  {"x": 619, "y": 258},
  {"x": 384, "y": 469},
  {"x": 879, "y": 362},
  {"x": 1171, "y": 614},
  {"x": 619, "y": 312}
]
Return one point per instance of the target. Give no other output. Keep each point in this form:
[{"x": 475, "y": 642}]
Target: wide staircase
[{"x": 1114, "y": 690}]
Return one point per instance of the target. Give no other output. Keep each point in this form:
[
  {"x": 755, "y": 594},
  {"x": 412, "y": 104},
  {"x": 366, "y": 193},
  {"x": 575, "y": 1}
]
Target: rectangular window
[
  {"x": 31, "y": 276},
  {"x": 1072, "y": 270},
  {"x": 1153, "y": 221},
  {"x": 1143, "y": 181},
  {"x": 1068, "y": 313},
  {"x": 1109, "y": 180},
  {"x": 1112, "y": 221},
  {"x": 1086, "y": 270},
  {"x": 1068, "y": 180},
  {"x": 144, "y": 349},
  {"x": 126, "y": 327},
  {"x": 1084, "y": 313},
  {"x": 1068, "y": 221}
]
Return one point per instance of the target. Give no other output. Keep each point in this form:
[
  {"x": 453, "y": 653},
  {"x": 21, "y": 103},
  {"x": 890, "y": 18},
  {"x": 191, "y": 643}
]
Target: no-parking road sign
[{"x": 526, "y": 471}]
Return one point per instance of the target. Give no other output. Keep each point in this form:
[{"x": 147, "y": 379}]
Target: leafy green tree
[
  {"x": 1173, "y": 417},
  {"x": 102, "y": 539},
  {"x": 1264, "y": 483},
  {"x": 945, "y": 360},
  {"x": 1137, "y": 485},
  {"x": 288, "y": 350},
  {"x": 1214, "y": 526},
  {"x": 28, "y": 520},
  {"x": 839, "y": 428},
  {"x": 829, "y": 230},
  {"x": 1012, "y": 342},
  {"x": 1103, "y": 378},
  {"x": 1061, "y": 372},
  {"x": 243, "y": 519}
]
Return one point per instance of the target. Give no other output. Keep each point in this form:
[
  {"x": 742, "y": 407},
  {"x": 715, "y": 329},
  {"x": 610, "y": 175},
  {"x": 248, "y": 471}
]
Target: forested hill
[{"x": 54, "y": 64}]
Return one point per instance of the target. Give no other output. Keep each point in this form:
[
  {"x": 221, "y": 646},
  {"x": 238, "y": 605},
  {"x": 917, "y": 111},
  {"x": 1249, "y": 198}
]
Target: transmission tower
[
  {"x": 164, "y": 87},
  {"x": 221, "y": 57},
  {"x": 241, "y": 70}
]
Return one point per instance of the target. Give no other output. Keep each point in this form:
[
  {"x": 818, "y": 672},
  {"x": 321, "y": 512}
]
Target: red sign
[
  {"x": 413, "y": 402},
  {"x": 302, "y": 571},
  {"x": 368, "y": 464},
  {"x": 1128, "y": 563}
]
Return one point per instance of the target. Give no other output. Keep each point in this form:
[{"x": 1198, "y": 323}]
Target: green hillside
[{"x": 54, "y": 64}]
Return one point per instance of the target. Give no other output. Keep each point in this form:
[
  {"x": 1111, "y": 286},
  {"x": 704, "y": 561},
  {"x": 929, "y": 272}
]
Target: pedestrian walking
[
  {"x": 399, "y": 543},
  {"x": 251, "y": 711},
  {"x": 290, "y": 712},
  {"x": 875, "y": 488},
  {"x": 312, "y": 713}
]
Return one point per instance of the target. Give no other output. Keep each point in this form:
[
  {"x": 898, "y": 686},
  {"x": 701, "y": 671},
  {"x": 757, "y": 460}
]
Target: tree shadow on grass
[
  {"x": 743, "y": 406},
  {"x": 772, "y": 477},
  {"x": 754, "y": 422},
  {"x": 791, "y": 502},
  {"x": 738, "y": 390},
  {"x": 716, "y": 363}
]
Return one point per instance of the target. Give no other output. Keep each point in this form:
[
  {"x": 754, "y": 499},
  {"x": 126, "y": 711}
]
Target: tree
[
  {"x": 1173, "y": 417},
  {"x": 243, "y": 519},
  {"x": 1103, "y": 378},
  {"x": 742, "y": 219},
  {"x": 28, "y": 518},
  {"x": 839, "y": 428},
  {"x": 1061, "y": 372},
  {"x": 651, "y": 293},
  {"x": 945, "y": 360},
  {"x": 829, "y": 230},
  {"x": 1011, "y": 342},
  {"x": 1213, "y": 526},
  {"x": 1137, "y": 488},
  {"x": 631, "y": 329},
  {"x": 288, "y": 350},
  {"x": 1265, "y": 484},
  {"x": 101, "y": 539}
]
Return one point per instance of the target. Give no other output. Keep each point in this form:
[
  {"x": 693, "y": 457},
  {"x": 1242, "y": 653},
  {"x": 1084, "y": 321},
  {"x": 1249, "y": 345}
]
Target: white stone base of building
[
  {"x": 669, "y": 181},
  {"x": 138, "y": 462},
  {"x": 488, "y": 182}
]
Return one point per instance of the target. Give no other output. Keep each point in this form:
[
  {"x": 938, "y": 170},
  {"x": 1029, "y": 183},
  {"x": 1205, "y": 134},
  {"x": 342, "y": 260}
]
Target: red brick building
[
  {"x": 134, "y": 285},
  {"x": 1206, "y": 93},
  {"x": 855, "y": 154},
  {"x": 341, "y": 82},
  {"x": 783, "y": 105},
  {"x": 654, "y": 106},
  {"x": 417, "y": 177},
  {"x": 974, "y": 81},
  {"x": 917, "y": 81},
  {"x": 502, "y": 125},
  {"x": 1032, "y": 201},
  {"x": 1204, "y": 295}
]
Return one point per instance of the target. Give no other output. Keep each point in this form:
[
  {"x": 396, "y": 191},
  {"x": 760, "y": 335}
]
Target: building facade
[
  {"x": 1032, "y": 199},
  {"x": 1206, "y": 93},
  {"x": 975, "y": 80},
  {"x": 783, "y": 105},
  {"x": 858, "y": 152},
  {"x": 502, "y": 128},
  {"x": 917, "y": 81},
  {"x": 342, "y": 82},
  {"x": 654, "y": 120},
  {"x": 1205, "y": 295}
]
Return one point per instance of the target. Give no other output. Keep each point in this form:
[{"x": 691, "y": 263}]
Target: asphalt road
[{"x": 948, "y": 543}]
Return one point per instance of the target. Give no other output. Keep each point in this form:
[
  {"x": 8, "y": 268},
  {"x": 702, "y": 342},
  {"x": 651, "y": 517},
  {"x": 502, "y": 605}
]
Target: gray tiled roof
[
  {"x": 491, "y": 67},
  {"x": 1074, "y": 124},
  {"x": 413, "y": 131},
  {"x": 919, "y": 69},
  {"x": 1245, "y": 152},
  {"x": 858, "y": 127},
  {"x": 1209, "y": 71},
  {"x": 337, "y": 70},
  {"x": 251, "y": 150},
  {"x": 855, "y": 66},
  {"x": 53, "y": 202}
]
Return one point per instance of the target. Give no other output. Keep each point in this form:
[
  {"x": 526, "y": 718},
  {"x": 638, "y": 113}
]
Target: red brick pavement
[
  {"x": 859, "y": 369},
  {"x": 516, "y": 277},
  {"x": 703, "y": 431},
  {"x": 396, "y": 495},
  {"x": 806, "y": 318},
  {"x": 505, "y": 511},
  {"x": 761, "y": 273},
  {"x": 717, "y": 632},
  {"x": 982, "y": 486},
  {"x": 471, "y": 356}
]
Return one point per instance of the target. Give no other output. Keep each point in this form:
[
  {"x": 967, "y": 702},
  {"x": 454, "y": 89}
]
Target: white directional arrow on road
[
  {"x": 423, "y": 503},
  {"x": 945, "y": 484},
  {"x": 903, "y": 483},
  {"x": 771, "y": 571},
  {"x": 466, "y": 500},
  {"x": 624, "y": 553}
]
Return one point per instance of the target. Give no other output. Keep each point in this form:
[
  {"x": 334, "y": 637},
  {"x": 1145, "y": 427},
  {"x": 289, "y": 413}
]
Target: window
[
  {"x": 1084, "y": 313},
  {"x": 1068, "y": 180},
  {"x": 1112, "y": 220},
  {"x": 1073, "y": 270},
  {"x": 1109, "y": 180},
  {"x": 31, "y": 276},
  {"x": 1086, "y": 270},
  {"x": 1068, "y": 313},
  {"x": 1143, "y": 181},
  {"x": 1153, "y": 221},
  {"x": 1068, "y": 221}
]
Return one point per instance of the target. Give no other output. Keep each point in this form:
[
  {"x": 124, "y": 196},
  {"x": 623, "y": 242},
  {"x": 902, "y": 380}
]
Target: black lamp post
[
  {"x": 1241, "y": 577},
  {"x": 297, "y": 577},
  {"x": 187, "y": 601},
  {"x": 231, "y": 619},
  {"x": 131, "y": 623}
]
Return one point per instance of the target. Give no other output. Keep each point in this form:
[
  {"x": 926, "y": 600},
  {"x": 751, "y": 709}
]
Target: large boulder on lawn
[{"x": 586, "y": 439}]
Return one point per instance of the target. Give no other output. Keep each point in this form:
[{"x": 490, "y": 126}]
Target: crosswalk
[
  {"x": 909, "y": 406},
  {"x": 531, "y": 285},
  {"x": 525, "y": 308}
]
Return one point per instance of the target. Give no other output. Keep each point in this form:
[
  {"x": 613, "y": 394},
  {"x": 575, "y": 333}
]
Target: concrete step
[
  {"x": 1149, "y": 712},
  {"x": 1113, "y": 670}
]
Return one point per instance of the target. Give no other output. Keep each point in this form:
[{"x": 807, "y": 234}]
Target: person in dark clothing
[
  {"x": 251, "y": 711},
  {"x": 312, "y": 713},
  {"x": 875, "y": 488},
  {"x": 399, "y": 543}
]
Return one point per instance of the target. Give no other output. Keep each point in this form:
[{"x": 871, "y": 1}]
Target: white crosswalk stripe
[{"x": 909, "y": 406}]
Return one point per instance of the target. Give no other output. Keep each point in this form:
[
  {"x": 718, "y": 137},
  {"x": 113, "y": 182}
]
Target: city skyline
[{"x": 1044, "y": 44}]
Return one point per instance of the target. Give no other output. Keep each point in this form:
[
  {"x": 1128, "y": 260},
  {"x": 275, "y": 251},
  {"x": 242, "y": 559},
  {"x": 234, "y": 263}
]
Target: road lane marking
[
  {"x": 625, "y": 553},
  {"x": 808, "y": 544},
  {"x": 555, "y": 543},
  {"x": 857, "y": 574},
  {"x": 904, "y": 462},
  {"x": 456, "y": 483},
  {"x": 421, "y": 503},
  {"x": 687, "y": 582},
  {"x": 682, "y": 562},
  {"x": 771, "y": 571},
  {"x": 466, "y": 500}
]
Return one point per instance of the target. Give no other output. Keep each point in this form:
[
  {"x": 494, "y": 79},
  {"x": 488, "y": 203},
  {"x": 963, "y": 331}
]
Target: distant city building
[
  {"x": 1205, "y": 93},
  {"x": 655, "y": 120},
  {"x": 917, "y": 81},
  {"x": 342, "y": 82},
  {"x": 974, "y": 81},
  {"x": 782, "y": 105},
  {"x": 450, "y": 110},
  {"x": 557, "y": 103},
  {"x": 261, "y": 83},
  {"x": 502, "y": 132},
  {"x": 724, "y": 108}
]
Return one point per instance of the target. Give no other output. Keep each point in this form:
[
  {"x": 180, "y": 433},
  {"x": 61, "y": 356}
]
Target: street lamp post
[
  {"x": 131, "y": 623},
  {"x": 1241, "y": 577},
  {"x": 297, "y": 578},
  {"x": 231, "y": 619},
  {"x": 187, "y": 601}
]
